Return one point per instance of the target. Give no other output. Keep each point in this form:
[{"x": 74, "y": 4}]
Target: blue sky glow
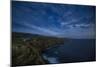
[{"x": 60, "y": 20}]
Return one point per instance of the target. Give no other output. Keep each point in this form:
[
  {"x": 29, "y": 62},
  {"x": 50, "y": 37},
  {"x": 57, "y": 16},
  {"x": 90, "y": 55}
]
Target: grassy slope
[{"x": 28, "y": 51}]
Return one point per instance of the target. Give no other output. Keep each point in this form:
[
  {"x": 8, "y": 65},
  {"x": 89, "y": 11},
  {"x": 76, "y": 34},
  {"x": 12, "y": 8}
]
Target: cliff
[{"x": 27, "y": 48}]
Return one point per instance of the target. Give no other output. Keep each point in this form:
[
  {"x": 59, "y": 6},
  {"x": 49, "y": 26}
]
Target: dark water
[{"x": 74, "y": 50}]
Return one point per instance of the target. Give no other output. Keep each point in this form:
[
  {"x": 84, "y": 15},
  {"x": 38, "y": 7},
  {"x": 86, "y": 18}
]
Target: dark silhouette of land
[{"x": 27, "y": 48}]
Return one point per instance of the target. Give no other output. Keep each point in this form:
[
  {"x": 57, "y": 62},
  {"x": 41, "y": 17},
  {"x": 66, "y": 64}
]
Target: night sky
[{"x": 59, "y": 20}]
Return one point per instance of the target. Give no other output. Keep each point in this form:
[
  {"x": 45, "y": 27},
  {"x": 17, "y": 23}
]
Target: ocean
[{"x": 73, "y": 50}]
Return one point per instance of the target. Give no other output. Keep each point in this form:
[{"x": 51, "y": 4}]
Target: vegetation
[{"x": 28, "y": 51}]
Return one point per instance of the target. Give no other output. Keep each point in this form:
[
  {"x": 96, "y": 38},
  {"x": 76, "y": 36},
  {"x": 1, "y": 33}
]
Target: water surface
[{"x": 73, "y": 50}]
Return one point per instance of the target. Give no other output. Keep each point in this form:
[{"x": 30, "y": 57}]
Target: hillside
[{"x": 27, "y": 48}]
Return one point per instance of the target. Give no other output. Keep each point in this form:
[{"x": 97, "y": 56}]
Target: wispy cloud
[
  {"x": 54, "y": 20},
  {"x": 45, "y": 31},
  {"x": 73, "y": 20}
]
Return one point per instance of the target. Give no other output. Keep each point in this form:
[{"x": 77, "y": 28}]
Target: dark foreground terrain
[{"x": 27, "y": 48}]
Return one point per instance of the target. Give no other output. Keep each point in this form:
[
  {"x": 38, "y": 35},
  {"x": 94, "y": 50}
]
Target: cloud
[
  {"x": 71, "y": 21},
  {"x": 64, "y": 23},
  {"x": 79, "y": 30},
  {"x": 44, "y": 30},
  {"x": 85, "y": 25},
  {"x": 37, "y": 29},
  {"x": 79, "y": 33},
  {"x": 54, "y": 20}
]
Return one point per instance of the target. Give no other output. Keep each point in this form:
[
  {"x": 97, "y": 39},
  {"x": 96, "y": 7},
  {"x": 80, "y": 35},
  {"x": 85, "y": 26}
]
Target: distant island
[{"x": 27, "y": 48}]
